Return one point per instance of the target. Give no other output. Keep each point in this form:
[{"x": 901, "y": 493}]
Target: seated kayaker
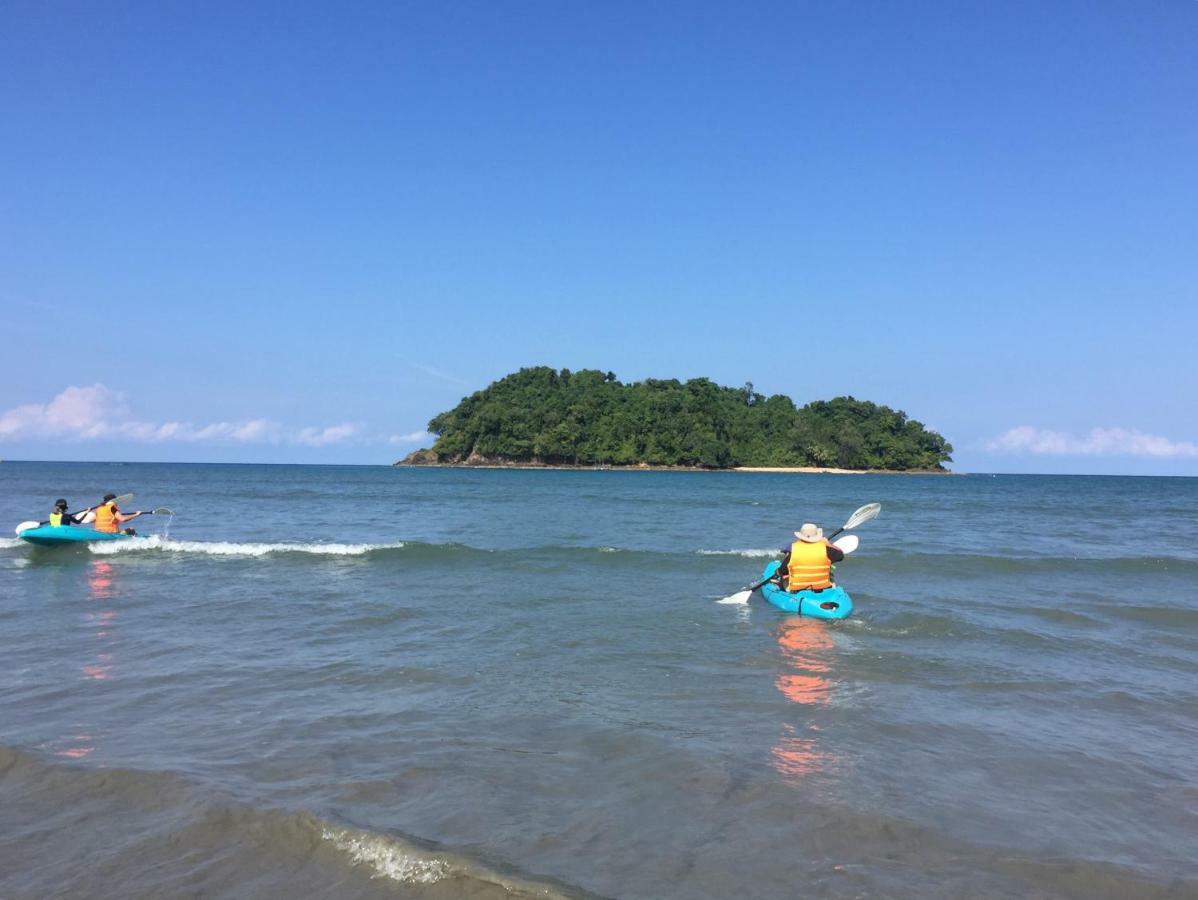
[
  {"x": 807, "y": 565},
  {"x": 60, "y": 516},
  {"x": 109, "y": 518}
]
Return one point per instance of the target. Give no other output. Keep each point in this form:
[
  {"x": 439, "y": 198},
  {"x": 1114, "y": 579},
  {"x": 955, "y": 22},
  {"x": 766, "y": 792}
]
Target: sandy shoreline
[{"x": 793, "y": 470}]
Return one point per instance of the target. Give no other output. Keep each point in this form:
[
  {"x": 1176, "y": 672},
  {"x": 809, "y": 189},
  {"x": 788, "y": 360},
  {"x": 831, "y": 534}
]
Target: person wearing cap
[
  {"x": 807, "y": 565},
  {"x": 60, "y": 516},
  {"x": 109, "y": 518}
]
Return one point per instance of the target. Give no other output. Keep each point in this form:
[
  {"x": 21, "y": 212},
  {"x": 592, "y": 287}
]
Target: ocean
[{"x": 362, "y": 682}]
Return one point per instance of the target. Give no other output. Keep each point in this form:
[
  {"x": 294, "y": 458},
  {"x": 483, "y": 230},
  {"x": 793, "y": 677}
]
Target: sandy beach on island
[
  {"x": 821, "y": 470},
  {"x": 808, "y": 470},
  {"x": 645, "y": 467}
]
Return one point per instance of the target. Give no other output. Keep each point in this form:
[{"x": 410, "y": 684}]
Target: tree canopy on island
[{"x": 542, "y": 415}]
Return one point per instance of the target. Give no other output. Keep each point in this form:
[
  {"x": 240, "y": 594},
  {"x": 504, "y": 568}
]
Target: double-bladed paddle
[{"x": 864, "y": 514}]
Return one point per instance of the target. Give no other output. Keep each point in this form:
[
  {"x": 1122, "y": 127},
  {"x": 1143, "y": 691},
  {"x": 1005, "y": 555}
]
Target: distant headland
[{"x": 545, "y": 418}]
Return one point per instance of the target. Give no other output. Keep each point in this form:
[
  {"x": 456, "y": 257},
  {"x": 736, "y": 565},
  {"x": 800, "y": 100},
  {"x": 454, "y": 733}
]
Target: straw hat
[{"x": 810, "y": 533}]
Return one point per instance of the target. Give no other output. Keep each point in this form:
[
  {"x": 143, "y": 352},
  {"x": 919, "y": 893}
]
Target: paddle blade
[
  {"x": 740, "y": 597},
  {"x": 864, "y": 514},
  {"x": 162, "y": 511},
  {"x": 25, "y": 526},
  {"x": 847, "y": 544}
]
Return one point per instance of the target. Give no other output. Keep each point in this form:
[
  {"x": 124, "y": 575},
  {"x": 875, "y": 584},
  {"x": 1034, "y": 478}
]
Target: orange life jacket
[
  {"x": 106, "y": 519},
  {"x": 809, "y": 566}
]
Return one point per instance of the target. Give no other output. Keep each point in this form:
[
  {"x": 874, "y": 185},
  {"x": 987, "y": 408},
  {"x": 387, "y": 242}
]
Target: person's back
[
  {"x": 808, "y": 563},
  {"x": 108, "y": 516},
  {"x": 60, "y": 516}
]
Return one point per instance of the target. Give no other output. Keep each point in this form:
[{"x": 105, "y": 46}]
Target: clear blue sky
[{"x": 295, "y": 232}]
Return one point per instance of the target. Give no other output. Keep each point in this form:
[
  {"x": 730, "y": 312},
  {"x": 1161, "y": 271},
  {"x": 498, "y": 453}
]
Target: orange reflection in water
[
  {"x": 99, "y": 580},
  {"x": 80, "y": 747},
  {"x": 804, "y": 646},
  {"x": 101, "y": 588}
]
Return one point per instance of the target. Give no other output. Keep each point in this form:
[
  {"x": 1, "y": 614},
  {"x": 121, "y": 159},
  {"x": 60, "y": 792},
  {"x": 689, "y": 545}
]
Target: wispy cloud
[
  {"x": 1027, "y": 439},
  {"x": 96, "y": 412},
  {"x": 438, "y": 373},
  {"x": 415, "y": 437}
]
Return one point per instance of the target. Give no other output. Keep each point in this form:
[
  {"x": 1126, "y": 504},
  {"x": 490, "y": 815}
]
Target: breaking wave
[
  {"x": 231, "y": 548},
  {"x": 751, "y": 554}
]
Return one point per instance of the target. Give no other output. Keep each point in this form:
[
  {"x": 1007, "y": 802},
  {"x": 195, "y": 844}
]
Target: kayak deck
[
  {"x": 60, "y": 535},
  {"x": 830, "y": 603}
]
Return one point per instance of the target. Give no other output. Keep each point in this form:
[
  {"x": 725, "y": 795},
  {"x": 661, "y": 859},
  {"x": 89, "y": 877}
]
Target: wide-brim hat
[{"x": 810, "y": 533}]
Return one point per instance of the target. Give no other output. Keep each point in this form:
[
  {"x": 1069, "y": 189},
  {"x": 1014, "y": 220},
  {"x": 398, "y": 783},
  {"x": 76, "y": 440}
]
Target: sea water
[{"x": 378, "y": 682}]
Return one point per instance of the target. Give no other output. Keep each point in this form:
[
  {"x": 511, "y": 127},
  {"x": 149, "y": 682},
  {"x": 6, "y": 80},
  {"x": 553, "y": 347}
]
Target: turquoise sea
[{"x": 362, "y": 682}]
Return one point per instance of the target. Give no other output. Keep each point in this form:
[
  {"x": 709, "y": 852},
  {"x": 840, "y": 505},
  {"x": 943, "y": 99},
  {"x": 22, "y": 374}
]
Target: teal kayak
[
  {"x": 830, "y": 603},
  {"x": 60, "y": 535}
]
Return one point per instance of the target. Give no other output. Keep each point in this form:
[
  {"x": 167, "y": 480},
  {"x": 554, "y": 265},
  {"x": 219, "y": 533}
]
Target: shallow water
[{"x": 360, "y": 682}]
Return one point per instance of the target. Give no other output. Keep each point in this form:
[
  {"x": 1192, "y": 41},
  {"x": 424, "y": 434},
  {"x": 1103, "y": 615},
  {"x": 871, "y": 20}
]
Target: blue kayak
[
  {"x": 830, "y": 603},
  {"x": 60, "y": 535}
]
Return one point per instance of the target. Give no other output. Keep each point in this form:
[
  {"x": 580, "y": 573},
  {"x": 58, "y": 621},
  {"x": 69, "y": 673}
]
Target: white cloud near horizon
[
  {"x": 1028, "y": 439},
  {"x": 96, "y": 412}
]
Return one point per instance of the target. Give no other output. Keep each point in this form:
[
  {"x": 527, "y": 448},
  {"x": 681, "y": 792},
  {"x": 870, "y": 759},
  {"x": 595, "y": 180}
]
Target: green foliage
[{"x": 590, "y": 418}]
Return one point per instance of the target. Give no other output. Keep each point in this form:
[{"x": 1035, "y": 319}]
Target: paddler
[
  {"x": 60, "y": 516},
  {"x": 109, "y": 518},
  {"x": 807, "y": 565}
]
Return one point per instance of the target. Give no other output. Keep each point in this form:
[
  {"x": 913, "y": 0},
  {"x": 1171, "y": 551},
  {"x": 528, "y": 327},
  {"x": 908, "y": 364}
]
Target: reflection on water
[
  {"x": 804, "y": 646},
  {"x": 98, "y": 666},
  {"x": 100, "y": 588}
]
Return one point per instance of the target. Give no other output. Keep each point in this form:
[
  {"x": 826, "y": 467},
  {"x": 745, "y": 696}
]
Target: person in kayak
[
  {"x": 60, "y": 516},
  {"x": 109, "y": 518},
  {"x": 807, "y": 565}
]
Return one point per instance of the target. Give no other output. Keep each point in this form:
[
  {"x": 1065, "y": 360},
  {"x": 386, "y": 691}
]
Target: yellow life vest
[
  {"x": 809, "y": 566},
  {"x": 56, "y": 518},
  {"x": 106, "y": 520}
]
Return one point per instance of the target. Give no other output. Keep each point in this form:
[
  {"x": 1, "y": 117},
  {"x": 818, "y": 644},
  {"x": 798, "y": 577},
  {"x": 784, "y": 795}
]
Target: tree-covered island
[{"x": 542, "y": 416}]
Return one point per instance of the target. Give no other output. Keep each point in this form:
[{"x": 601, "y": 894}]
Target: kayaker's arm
[
  {"x": 783, "y": 567},
  {"x": 835, "y": 553}
]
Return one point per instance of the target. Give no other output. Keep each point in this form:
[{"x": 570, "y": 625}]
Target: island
[{"x": 545, "y": 417}]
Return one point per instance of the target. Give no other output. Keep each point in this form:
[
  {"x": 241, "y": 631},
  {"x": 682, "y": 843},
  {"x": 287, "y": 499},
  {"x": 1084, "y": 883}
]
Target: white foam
[
  {"x": 230, "y": 548},
  {"x": 610, "y": 550},
  {"x": 10, "y": 543},
  {"x": 388, "y": 858},
  {"x": 752, "y": 554}
]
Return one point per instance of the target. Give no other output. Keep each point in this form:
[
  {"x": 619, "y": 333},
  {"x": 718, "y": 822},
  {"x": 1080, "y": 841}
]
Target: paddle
[
  {"x": 847, "y": 544},
  {"x": 864, "y": 514},
  {"x": 25, "y": 526}
]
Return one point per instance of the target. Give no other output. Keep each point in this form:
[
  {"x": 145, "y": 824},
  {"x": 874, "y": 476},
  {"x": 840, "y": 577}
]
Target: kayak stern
[{"x": 830, "y": 603}]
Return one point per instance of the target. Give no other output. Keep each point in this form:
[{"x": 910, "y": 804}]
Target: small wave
[
  {"x": 191, "y": 823},
  {"x": 231, "y": 548},
  {"x": 387, "y": 857},
  {"x": 751, "y": 554},
  {"x": 10, "y": 543}
]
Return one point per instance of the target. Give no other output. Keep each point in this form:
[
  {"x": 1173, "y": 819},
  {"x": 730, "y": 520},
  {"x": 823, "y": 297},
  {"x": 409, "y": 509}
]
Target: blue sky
[{"x": 295, "y": 232}]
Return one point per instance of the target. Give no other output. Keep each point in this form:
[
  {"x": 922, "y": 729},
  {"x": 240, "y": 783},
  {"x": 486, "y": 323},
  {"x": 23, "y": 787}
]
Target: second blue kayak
[
  {"x": 59, "y": 535},
  {"x": 830, "y": 603}
]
